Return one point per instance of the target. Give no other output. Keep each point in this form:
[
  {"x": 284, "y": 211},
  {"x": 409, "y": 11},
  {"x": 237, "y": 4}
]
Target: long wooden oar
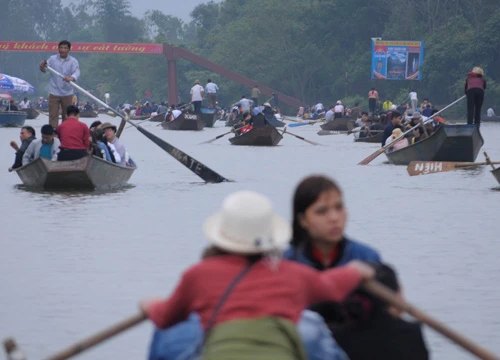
[
  {"x": 191, "y": 163},
  {"x": 98, "y": 338},
  {"x": 434, "y": 167},
  {"x": 391, "y": 297},
  {"x": 488, "y": 161},
  {"x": 302, "y": 123},
  {"x": 217, "y": 137},
  {"x": 299, "y": 137},
  {"x": 342, "y": 132},
  {"x": 369, "y": 159},
  {"x": 359, "y": 130}
]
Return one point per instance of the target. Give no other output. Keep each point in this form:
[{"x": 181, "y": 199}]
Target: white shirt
[
  {"x": 176, "y": 113},
  {"x": 318, "y": 106},
  {"x": 339, "y": 109},
  {"x": 25, "y": 105},
  {"x": 106, "y": 95},
  {"x": 490, "y": 112},
  {"x": 118, "y": 158},
  {"x": 245, "y": 104},
  {"x": 197, "y": 93},
  {"x": 413, "y": 95},
  {"x": 211, "y": 88},
  {"x": 329, "y": 116}
]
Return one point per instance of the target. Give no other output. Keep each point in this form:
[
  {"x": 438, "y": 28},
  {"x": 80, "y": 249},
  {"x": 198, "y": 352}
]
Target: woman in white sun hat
[{"x": 248, "y": 303}]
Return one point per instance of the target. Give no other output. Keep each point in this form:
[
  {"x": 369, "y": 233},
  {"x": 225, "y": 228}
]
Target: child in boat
[
  {"x": 248, "y": 300},
  {"x": 397, "y": 132}
]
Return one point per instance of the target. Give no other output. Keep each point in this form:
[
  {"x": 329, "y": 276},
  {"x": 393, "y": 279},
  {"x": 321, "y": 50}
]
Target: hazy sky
[{"x": 179, "y": 8}]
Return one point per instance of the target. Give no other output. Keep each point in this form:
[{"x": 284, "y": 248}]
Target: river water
[{"x": 74, "y": 263}]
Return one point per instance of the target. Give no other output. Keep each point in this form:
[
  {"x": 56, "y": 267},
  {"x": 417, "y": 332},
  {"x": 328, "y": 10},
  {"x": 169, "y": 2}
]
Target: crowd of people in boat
[
  {"x": 71, "y": 140},
  {"x": 247, "y": 299}
]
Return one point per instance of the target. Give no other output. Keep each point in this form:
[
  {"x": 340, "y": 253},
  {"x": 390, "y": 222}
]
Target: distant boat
[
  {"x": 32, "y": 113},
  {"x": 88, "y": 114},
  {"x": 12, "y": 118},
  {"x": 185, "y": 122},
  {"x": 339, "y": 124},
  {"x": 377, "y": 138},
  {"x": 209, "y": 116},
  {"x": 258, "y": 136}
]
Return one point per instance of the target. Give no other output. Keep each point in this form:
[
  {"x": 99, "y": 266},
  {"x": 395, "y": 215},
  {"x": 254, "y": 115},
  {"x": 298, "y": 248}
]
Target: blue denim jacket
[
  {"x": 181, "y": 342},
  {"x": 352, "y": 250}
]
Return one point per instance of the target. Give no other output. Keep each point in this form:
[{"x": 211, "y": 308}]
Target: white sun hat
[{"x": 247, "y": 224}]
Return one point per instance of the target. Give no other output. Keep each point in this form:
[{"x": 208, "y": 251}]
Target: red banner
[{"x": 116, "y": 48}]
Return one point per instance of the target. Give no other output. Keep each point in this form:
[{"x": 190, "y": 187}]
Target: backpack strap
[{"x": 225, "y": 295}]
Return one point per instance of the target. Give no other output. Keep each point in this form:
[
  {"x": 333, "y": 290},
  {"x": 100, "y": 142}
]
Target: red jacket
[
  {"x": 474, "y": 81},
  {"x": 73, "y": 134},
  {"x": 284, "y": 292}
]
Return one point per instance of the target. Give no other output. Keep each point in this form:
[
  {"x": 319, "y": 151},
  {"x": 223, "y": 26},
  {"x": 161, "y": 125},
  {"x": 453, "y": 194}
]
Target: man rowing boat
[{"x": 60, "y": 91}]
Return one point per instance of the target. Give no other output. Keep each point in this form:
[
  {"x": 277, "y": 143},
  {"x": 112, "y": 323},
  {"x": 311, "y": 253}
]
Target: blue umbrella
[{"x": 15, "y": 85}]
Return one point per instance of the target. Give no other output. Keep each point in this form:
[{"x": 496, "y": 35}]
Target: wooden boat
[
  {"x": 83, "y": 174},
  {"x": 209, "y": 116},
  {"x": 88, "y": 114},
  {"x": 32, "y": 113},
  {"x": 184, "y": 122},
  {"x": 496, "y": 174},
  {"x": 158, "y": 118},
  {"x": 259, "y": 136},
  {"x": 459, "y": 143},
  {"x": 377, "y": 138},
  {"x": 12, "y": 118},
  {"x": 490, "y": 118},
  {"x": 140, "y": 117},
  {"x": 272, "y": 120},
  {"x": 339, "y": 124}
]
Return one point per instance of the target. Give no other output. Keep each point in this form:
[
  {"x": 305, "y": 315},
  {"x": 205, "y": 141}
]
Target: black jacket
[
  {"x": 382, "y": 337},
  {"x": 18, "y": 162}
]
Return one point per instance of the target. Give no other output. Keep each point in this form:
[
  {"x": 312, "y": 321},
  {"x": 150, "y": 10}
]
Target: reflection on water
[
  {"x": 73, "y": 192},
  {"x": 73, "y": 263}
]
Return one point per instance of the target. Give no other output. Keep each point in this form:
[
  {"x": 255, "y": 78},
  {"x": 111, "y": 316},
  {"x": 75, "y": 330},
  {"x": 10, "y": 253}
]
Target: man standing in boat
[
  {"x": 211, "y": 90},
  {"x": 60, "y": 91},
  {"x": 197, "y": 92},
  {"x": 255, "y": 95}
]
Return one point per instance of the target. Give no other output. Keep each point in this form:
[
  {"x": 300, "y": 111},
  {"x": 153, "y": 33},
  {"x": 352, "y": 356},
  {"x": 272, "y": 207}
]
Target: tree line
[{"x": 314, "y": 50}]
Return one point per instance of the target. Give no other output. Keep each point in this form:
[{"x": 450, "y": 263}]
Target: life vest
[{"x": 246, "y": 129}]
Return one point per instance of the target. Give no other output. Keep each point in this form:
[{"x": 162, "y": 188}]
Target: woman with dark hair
[
  {"x": 374, "y": 329},
  {"x": 319, "y": 219},
  {"x": 318, "y": 241},
  {"x": 475, "y": 84}
]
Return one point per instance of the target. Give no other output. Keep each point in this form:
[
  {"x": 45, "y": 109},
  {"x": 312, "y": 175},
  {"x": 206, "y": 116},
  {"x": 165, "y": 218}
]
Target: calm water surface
[{"x": 73, "y": 263}]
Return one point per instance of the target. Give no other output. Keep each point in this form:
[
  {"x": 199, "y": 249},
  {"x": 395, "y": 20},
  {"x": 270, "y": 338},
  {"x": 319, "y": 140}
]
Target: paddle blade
[
  {"x": 370, "y": 158},
  {"x": 330, "y": 132},
  {"x": 215, "y": 138},
  {"x": 430, "y": 167},
  {"x": 300, "y": 124},
  {"x": 192, "y": 164}
]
